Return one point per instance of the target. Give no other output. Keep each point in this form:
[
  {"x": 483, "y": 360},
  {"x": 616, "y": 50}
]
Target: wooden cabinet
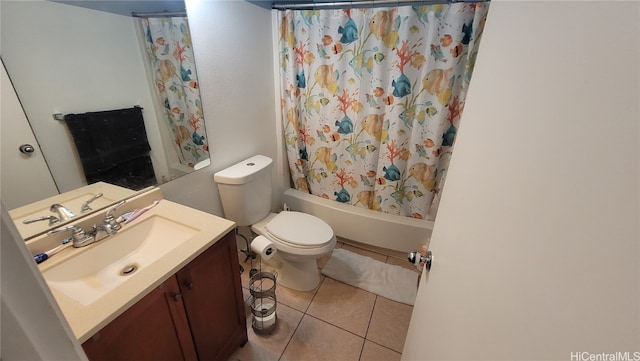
[
  {"x": 213, "y": 301},
  {"x": 196, "y": 314},
  {"x": 149, "y": 330}
]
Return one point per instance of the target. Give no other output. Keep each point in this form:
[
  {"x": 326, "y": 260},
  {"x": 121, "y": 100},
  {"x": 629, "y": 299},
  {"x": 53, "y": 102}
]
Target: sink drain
[{"x": 128, "y": 269}]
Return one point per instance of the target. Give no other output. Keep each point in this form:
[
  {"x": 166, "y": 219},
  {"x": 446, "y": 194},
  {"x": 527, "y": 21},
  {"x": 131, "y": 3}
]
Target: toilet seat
[{"x": 300, "y": 230}]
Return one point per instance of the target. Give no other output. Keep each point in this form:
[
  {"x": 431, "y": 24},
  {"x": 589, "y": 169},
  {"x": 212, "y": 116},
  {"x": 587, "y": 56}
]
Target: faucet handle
[
  {"x": 85, "y": 206},
  {"x": 112, "y": 209},
  {"x": 52, "y": 220},
  {"x": 110, "y": 219},
  {"x": 80, "y": 237}
]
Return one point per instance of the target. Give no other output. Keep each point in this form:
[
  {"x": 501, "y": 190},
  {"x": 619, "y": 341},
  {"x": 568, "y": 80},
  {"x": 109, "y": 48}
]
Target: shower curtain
[
  {"x": 170, "y": 53},
  {"x": 371, "y": 100}
]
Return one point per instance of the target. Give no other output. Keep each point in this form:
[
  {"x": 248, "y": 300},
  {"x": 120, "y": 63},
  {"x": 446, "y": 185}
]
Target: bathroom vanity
[
  {"x": 197, "y": 313},
  {"x": 182, "y": 300}
]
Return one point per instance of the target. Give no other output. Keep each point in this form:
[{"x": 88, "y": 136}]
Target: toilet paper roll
[
  {"x": 264, "y": 322},
  {"x": 264, "y": 247}
]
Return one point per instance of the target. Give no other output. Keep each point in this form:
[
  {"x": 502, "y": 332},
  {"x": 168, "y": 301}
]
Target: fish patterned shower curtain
[
  {"x": 371, "y": 100},
  {"x": 170, "y": 53}
]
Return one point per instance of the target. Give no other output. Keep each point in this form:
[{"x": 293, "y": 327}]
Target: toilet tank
[{"x": 245, "y": 190}]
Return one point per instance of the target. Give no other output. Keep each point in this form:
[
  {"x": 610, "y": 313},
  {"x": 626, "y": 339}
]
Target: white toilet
[{"x": 300, "y": 239}]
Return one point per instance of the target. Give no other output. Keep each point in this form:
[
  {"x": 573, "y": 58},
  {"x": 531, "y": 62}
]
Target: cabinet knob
[
  {"x": 176, "y": 296},
  {"x": 189, "y": 285}
]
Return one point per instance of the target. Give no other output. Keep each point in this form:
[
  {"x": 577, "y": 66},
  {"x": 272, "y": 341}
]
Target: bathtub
[{"x": 363, "y": 225}]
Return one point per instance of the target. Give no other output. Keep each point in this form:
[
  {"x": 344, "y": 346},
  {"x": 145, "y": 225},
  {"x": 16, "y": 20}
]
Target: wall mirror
[{"x": 77, "y": 57}]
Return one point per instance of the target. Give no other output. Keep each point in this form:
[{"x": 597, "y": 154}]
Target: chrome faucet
[
  {"x": 98, "y": 232},
  {"x": 109, "y": 227},
  {"x": 80, "y": 237},
  {"x": 63, "y": 213},
  {"x": 102, "y": 231}
]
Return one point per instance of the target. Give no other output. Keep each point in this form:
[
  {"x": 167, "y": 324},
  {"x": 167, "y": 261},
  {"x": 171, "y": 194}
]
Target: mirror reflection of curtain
[
  {"x": 372, "y": 100},
  {"x": 168, "y": 46}
]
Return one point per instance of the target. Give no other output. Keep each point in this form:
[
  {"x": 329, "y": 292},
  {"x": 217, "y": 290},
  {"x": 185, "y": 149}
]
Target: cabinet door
[
  {"x": 155, "y": 328},
  {"x": 213, "y": 300}
]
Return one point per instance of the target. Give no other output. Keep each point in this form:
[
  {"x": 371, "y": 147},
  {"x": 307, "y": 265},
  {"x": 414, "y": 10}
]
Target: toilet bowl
[{"x": 300, "y": 239}]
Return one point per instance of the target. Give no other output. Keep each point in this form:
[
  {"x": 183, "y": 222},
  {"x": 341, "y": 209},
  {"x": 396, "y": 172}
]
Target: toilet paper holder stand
[
  {"x": 262, "y": 286},
  {"x": 247, "y": 251}
]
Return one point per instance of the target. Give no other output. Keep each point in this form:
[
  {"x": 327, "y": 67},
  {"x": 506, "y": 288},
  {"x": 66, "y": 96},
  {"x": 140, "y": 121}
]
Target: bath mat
[{"x": 386, "y": 280}]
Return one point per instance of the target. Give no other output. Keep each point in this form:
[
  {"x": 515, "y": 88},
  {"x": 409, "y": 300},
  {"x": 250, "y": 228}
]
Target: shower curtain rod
[
  {"x": 159, "y": 14},
  {"x": 370, "y": 3}
]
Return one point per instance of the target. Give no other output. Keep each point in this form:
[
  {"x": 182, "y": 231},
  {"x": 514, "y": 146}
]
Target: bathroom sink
[
  {"x": 111, "y": 262},
  {"x": 95, "y": 284}
]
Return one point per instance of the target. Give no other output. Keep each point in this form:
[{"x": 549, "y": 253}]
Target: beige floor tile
[
  {"x": 318, "y": 340},
  {"x": 336, "y": 314},
  {"x": 299, "y": 300},
  {"x": 389, "y": 323},
  {"x": 344, "y": 306},
  {"x": 375, "y": 352},
  {"x": 364, "y": 252},
  {"x": 269, "y": 347}
]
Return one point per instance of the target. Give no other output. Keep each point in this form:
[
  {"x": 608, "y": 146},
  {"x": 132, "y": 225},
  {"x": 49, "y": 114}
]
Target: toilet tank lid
[{"x": 243, "y": 172}]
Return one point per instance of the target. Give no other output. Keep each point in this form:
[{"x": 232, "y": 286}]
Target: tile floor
[{"x": 333, "y": 322}]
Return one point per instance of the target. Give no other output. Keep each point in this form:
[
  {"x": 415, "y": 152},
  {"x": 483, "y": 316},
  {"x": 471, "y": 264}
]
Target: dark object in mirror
[{"x": 113, "y": 147}]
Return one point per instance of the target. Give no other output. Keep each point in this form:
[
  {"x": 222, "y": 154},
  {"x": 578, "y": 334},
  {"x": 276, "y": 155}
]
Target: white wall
[
  {"x": 233, "y": 49},
  {"x": 67, "y": 59}
]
